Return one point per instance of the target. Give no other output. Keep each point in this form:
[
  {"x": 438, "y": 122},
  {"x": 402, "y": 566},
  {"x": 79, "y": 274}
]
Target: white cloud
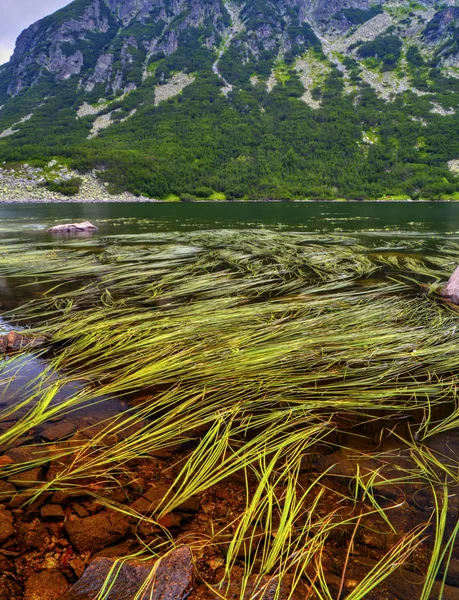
[
  {"x": 5, "y": 54},
  {"x": 16, "y": 16}
]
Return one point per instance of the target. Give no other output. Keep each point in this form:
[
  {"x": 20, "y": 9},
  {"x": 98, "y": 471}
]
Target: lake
[
  {"x": 431, "y": 218},
  {"x": 266, "y": 382}
]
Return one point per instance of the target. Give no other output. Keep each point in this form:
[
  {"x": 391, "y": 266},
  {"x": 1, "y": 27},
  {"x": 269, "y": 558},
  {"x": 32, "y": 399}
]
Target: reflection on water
[
  {"x": 428, "y": 217},
  {"x": 27, "y": 223},
  {"x": 25, "y": 378}
]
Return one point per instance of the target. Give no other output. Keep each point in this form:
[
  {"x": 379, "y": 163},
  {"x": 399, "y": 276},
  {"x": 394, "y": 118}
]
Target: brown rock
[
  {"x": 99, "y": 531},
  {"x": 150, "y": 499},
  {"x": 13, "y": 341},
  {"x": 46, "y": 585},
  {"x": 6, "y": 524},
  {"x": 7, "y": 491},
  {"x": 119, "y": 550},
  {"x": 173, "y": 579},
  {"x": 35, "y": 536},
  {"x": 5, "y": 460},
  {"x": 52, "y": 512},
  {"x": 80, "y": 510},
  {"x": 27, "y": 479},
  {"x": 26, "y": 496},
  {"x": 191, "y": 505},
  {"x": 264, "y": 588},
  {"x": 58, "y": 431},
  {"x": 22, "y": 454}
]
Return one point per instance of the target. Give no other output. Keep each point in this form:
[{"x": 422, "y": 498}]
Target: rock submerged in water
[
  {"x": 173, "y": 579},
  {"x": 15, "y": 342},
  {"x": 451, "y": 289},
  {"x": 85, "y": 227}
]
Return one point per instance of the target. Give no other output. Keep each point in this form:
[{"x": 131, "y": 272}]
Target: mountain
[{"x": 253, "y": 99}]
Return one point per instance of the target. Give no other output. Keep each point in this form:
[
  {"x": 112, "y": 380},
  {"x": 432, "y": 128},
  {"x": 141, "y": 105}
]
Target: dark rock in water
[
  {"x": 28, "y": 478},
  {"x": 7, "y": 491},
  {"x": 6, "y": 525},
  {"x": 150, "y": 499},
  {"x": 58, "y": 431},
  {"x": 261, "y": 588},
  {"x": 452, "y": 577},
  {"x": 46, "y": 585},
  {"x": 99, "y": 531},
  {"x": 173, "y": 579},
  {"x": 451, "y": 289},
  {"x": 84, "y": 227},
  {"x": 52, "y": 512},
  {"x": 13, "y": 341}
]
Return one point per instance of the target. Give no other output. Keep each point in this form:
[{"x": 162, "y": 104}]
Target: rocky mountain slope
[{"x": 254, "y": 98}]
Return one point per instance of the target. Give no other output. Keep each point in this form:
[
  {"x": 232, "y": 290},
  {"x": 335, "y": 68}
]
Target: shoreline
[{"x": 144, "y": 200}]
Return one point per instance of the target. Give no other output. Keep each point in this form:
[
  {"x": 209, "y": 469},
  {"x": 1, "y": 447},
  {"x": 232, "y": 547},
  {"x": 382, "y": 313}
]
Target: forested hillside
[{"x": 261, "y": 99}]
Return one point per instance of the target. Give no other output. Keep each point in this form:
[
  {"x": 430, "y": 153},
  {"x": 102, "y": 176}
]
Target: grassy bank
[{"x": 314, "y": 378}]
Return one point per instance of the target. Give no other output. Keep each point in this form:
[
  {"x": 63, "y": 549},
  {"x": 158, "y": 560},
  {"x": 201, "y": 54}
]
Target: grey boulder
[{"x": 84, "y": 227}]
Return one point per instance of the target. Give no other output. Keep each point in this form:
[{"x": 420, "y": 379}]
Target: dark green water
[{"x": 410, "y": 218}]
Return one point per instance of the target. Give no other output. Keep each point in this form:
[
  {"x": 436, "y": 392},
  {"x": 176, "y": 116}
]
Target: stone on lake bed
[
  {"x": 451, "y": 289},
  {"x": 171, "y": 580},
  {"x": 94, "y": 533},
  {"x": 84, "y": 227},
  {"x": 6, "y": 524},
  {"x": 46, "y": 585},
  {"x": 14, "y": 342},
  {"x": 52, "y": 512}
]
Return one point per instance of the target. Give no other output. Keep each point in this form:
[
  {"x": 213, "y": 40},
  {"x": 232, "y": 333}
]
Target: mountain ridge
[{"x": 341, "y": 98}]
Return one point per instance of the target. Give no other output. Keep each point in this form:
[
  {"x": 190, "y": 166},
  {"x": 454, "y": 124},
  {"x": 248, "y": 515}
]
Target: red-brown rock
[
  {"x": 6, "y": 524},
  {"x": 173, "y": 579},
  {"x": 46, "y": 585},
  {"x": 91, "y": 534}
]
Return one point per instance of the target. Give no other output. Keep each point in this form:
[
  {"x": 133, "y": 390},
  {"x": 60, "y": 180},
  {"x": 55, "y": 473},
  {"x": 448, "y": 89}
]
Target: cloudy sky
[{"x": 16, "y": 15}]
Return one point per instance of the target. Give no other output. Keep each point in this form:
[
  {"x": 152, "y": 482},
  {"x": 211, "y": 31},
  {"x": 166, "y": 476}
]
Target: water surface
[{"x": 433, "y": 218}]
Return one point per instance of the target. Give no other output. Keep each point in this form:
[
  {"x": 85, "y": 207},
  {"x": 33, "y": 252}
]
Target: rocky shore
[{"x": 26, "y": 183}]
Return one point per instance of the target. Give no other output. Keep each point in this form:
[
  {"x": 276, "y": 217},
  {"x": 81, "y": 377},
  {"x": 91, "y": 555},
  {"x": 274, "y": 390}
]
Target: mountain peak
[{"x": 100, "y": 67}]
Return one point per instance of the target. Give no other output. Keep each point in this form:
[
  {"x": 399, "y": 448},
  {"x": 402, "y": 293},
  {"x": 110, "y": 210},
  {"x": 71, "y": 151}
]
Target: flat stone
[
  {"x": 25, "y": 496},
  {"x": 191, "y": 505},
  {"x": 7, "y": 491},
  {"x": 83, "y": 227},
  {"x": 119, "y": 550},
  {"x": 52, "y": 512},
  {"x": 58, "y": 431},
  {"x": 151, "y": 499},
  {"x": 80, "y": 510},
  {"x": 173, "y": 579},
  {"x": 46, "y": 585},
  {"x": 452, "y": 577},
  {"x": 26, "y": 479},
  {"x": 6, "y": 524},
  {"x": 5, "y": 460},
  {"x": 94, "y": 533},
  {"x": 21, "y": 454}
]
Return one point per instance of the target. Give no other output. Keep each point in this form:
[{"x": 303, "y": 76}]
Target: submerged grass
[{"x": 258, "y": 353}]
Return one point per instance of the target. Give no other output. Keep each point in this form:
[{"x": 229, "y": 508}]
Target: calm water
[{"x": 410, "y": 218}]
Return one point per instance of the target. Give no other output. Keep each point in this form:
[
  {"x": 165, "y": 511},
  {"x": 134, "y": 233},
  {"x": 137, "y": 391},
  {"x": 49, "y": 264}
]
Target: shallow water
[{"x": 27, "y": 223}]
